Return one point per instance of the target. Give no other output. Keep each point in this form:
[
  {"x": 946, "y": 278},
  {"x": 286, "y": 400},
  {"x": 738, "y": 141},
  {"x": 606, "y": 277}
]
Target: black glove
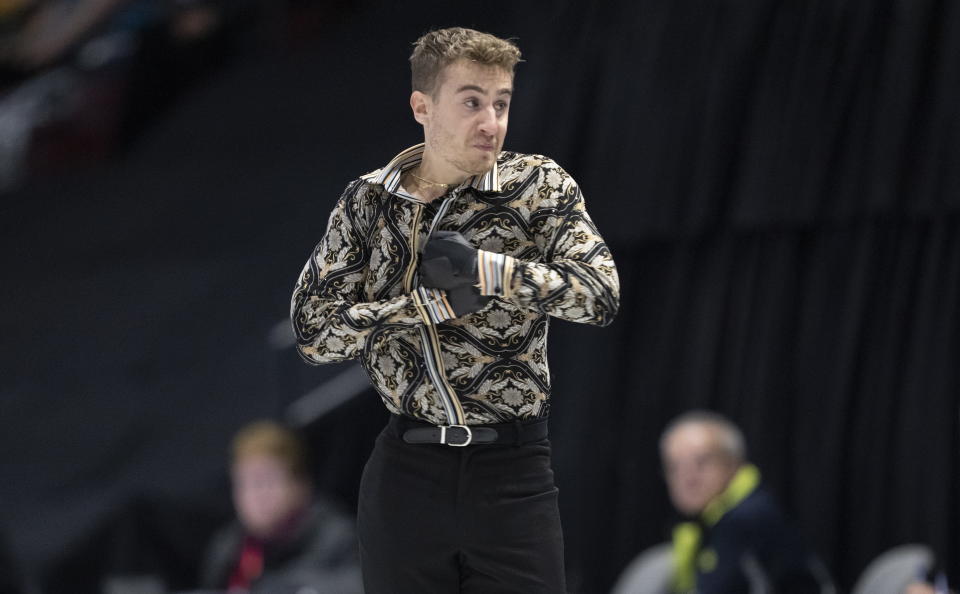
[
  {"x": 448, "y": 262},
  {"x": 466, "y": 300}
]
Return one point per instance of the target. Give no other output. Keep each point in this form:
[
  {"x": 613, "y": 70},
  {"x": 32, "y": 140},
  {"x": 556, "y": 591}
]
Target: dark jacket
[
  {"x": 756, "y": 531},
  {"x": 321, "y": 554}
]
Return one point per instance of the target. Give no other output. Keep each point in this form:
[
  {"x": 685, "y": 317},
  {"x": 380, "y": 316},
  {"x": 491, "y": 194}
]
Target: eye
[
  {"x": 472, "y": 103},
  {"x": 501, "y": 105}
]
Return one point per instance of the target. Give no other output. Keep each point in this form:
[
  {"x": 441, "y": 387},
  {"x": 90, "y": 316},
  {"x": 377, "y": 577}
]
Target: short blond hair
[
  {"x": 438, "y": 49},
  {"x": 269, "y": 438}
]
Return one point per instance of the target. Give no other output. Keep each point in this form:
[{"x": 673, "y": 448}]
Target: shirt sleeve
[
  {"x": 331, "y": 320},
  {"x": 576, "y": 280}
]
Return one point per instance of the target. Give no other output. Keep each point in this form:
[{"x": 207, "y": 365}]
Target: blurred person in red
[{"x": 285, "y": 539}]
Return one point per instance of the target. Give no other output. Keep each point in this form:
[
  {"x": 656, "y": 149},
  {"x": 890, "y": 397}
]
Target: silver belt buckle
[{"x": 443, "y": 435}]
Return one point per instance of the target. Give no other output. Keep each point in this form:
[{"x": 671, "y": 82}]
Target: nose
[{"x": 488, "y": 121}]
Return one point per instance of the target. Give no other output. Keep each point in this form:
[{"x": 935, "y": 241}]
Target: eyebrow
[{"x": 481, "y": 91}]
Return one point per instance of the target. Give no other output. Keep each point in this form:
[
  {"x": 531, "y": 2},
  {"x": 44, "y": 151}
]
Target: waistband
[{"x": 516, "y": 433}]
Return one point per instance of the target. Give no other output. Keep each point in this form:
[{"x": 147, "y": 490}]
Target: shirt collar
[{"x": 389, "y": 176}]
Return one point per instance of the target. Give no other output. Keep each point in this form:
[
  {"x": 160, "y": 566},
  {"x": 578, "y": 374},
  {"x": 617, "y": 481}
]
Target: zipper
[
  {"x": 414, "y": 247},
  {"x": 429, "y": 336}
]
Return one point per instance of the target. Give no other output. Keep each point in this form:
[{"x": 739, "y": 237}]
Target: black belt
[{"x": 515, "y": 433}]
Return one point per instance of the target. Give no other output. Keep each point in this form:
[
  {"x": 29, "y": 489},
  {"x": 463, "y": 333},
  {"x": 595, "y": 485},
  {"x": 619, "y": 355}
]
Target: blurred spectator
[
  {"x": 49, "y": 29},
  {"x": 734, "y": 528},
  {"x": 284, "y": 539},
  {"x": 80, "y": 78}
]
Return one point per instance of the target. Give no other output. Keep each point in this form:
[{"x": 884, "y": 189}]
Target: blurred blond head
[{"x": 270, "y": 477}]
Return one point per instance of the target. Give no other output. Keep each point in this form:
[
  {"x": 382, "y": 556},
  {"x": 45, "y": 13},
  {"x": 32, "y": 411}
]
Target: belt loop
[{"x": 518, "y": 427}]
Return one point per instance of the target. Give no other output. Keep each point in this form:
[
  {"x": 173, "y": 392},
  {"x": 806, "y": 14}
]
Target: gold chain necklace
[{"x": 427, "y": 181}]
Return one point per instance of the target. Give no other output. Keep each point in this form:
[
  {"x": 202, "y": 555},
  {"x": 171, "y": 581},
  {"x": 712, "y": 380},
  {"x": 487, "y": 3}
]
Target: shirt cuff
[
  {"x": 432, "y": 305},
  {"x": 495, "y": 272}
]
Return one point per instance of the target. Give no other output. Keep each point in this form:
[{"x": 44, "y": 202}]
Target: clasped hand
[{"x": 449, "y": 262}]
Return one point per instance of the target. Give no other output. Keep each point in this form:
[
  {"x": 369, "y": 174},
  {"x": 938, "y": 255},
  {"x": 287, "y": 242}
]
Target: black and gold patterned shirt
[{"x": 359, "y": 295}]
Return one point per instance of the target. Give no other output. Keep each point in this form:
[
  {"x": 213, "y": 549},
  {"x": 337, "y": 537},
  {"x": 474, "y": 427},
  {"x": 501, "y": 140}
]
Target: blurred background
[{"x": 778, "y": 182}]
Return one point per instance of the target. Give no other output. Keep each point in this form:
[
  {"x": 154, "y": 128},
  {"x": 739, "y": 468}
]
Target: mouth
[{"x": 485, "y": 146}]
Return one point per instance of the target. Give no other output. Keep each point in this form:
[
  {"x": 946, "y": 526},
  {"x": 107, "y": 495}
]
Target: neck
[
  {"x": 428, "y": 181},
  {"x": 422, "y": 187},
  {"x": 437, "y": 172}
]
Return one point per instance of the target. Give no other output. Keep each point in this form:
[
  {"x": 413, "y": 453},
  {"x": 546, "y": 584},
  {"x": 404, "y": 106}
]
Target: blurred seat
[
  {"x": 891, "y": 571},
  {"x": 649, "y": 573},
  {"x": 822, "y": 574},
  {"x": 652, "y": 570},
  {"x": 759, "y": 581}
]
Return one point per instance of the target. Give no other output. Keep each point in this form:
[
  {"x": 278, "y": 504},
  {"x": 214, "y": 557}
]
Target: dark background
[{"x": 779, "y": 184}]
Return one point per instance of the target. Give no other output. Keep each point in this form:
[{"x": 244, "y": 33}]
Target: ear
[{"x": 420, "y": 104}]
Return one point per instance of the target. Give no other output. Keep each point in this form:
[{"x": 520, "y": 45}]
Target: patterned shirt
[{"x": 359, "y": 294}]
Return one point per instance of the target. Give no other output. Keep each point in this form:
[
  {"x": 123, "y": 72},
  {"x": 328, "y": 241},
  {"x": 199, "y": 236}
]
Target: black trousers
[{"x": 483, "y": 519}]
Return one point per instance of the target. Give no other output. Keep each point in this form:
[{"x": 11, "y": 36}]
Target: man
[
  {"x": 735, "y": 534},
  {"x": 439, "y": 272},
  {"x": 285, "y": 541}
]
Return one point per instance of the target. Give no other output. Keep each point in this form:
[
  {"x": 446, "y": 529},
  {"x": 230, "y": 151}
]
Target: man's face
[
  {"x": 696, "y": 467},
  {"x": 465, "y": 120},
  {"x": 265, "y": 493}
]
